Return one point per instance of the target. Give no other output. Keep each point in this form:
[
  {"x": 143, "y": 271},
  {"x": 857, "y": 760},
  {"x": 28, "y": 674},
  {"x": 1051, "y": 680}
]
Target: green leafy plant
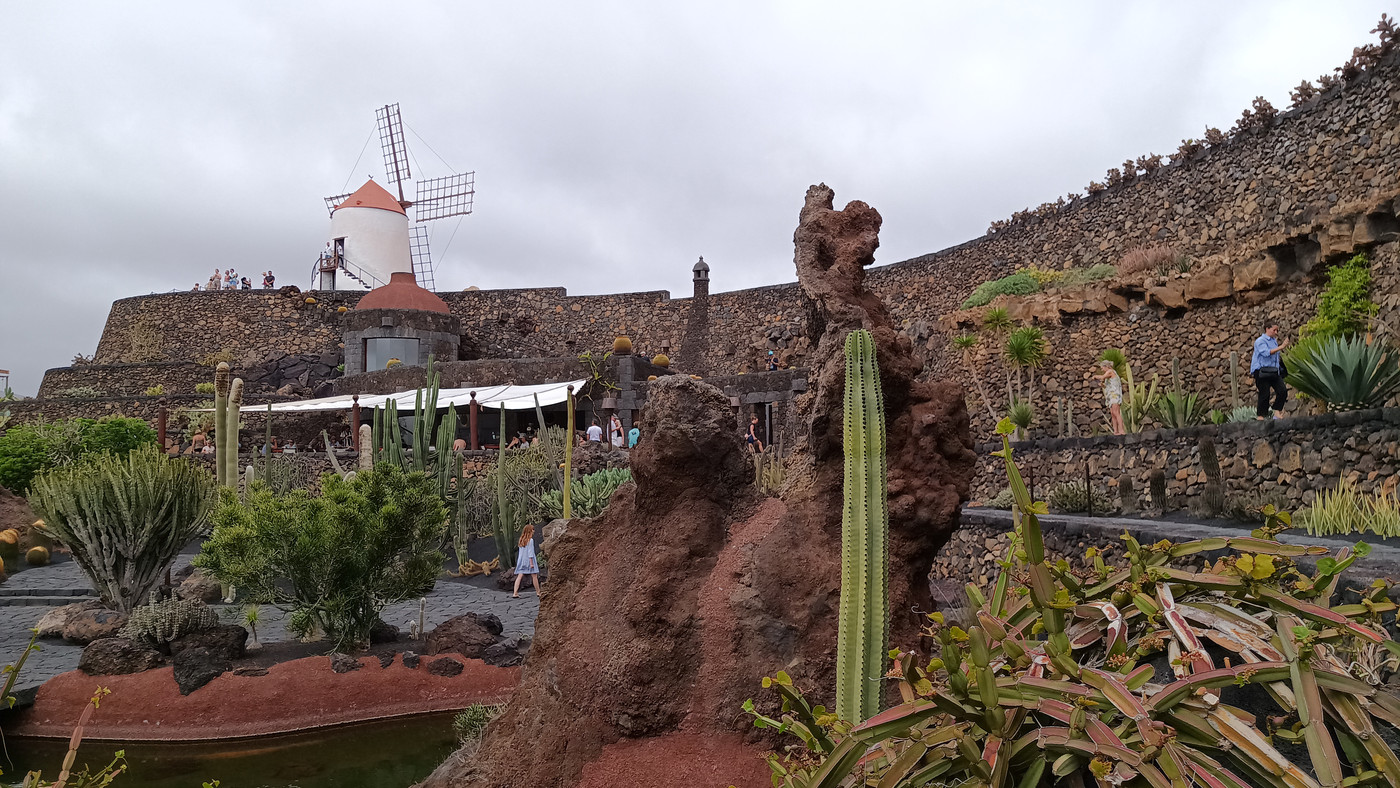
[
  {"x": 1083, "y": 276},
  {"x": 1251, "y": 507},
  {"x": 965, "y": 343},
  {"x": 1103, "y": 678},
  {"x": 1002, "y": 500},
  {"x": 1345, "y": 307},
  {"x": 1021, "y": 414},
  {"x": 1347, "y": 510},
  {"x": 117, "y": 435},
  {"x": 1016, "y": 284},
  {"x": 82, "y": 392},
  {"x": 469, "y": 723},
  {"x": 1242, "y": 413},
  {"x": 863, "y": 627},
  {"x": 124, "y": 518},
  {"x": 1177, "y": 409},
  {"x": 24, "y": 454},
  {"x": 336, "y": 561},
  {"x": 1077, "y": 497},
  {"x": 1345, "y": 373},
  {"x": 997, "y": 319},
  {"x": 1025, "y": 349},
  {"x": 1043, "y": 276},
  {"x": 204, "y": 387},
  {"x": 155, "y": 391}
]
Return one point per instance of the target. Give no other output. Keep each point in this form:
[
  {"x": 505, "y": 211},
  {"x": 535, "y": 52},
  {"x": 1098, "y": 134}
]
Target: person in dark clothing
[{"x": 1266, "y": 365}]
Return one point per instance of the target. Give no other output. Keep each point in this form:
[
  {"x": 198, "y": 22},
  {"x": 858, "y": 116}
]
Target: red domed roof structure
[
  {"x": 372, "y": 195},
  {"x": 402, "y": 292}
]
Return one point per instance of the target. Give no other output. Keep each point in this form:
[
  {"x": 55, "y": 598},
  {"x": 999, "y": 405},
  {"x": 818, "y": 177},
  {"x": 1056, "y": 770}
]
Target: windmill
[{"x": 369, "y": 247}]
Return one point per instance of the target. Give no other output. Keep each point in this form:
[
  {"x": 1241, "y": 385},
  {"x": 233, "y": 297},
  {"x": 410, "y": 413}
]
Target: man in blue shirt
[
  {"x": 1266, "y": 365},
  {"x": 633, "y": 435}
]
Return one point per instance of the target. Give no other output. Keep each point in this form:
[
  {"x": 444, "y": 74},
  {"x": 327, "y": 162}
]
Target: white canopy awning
[{"x": 507, "y": 397}]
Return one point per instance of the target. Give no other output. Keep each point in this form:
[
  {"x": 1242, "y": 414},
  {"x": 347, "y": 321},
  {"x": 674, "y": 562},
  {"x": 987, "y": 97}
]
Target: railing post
[
  {"x": 355, "y": 422},
  {"x": 473, "y": 409},
  {"x": 1088, "y": 491}
]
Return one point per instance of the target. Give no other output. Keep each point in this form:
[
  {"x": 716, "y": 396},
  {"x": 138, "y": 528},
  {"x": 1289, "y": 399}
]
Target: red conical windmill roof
[{"x": 372, "y": 195}]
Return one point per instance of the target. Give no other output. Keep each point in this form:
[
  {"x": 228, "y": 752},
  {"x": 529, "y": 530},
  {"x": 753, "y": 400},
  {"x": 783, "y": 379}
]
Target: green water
[{"x": 392, "y": 754}]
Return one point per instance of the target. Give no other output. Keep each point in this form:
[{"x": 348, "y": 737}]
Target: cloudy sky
[{"x": 144, "y": 144}]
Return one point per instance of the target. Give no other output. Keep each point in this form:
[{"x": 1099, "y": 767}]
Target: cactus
[
  {"x": 228, "y": 433},
  {"x": 1127, "y": 496},
  {"x": 661, "y": 360},
  {"x": 622, "y": 346},
  {"x": 863, "y": 629},
  {"x": 250, "y": 475},
  {"x": 9, "y": 543},
  {"x": 1234, "y": 378},
  {"x": 505, "y": 521},
  {"x": 37, "y": 556},
  {"x": 1214, "y": 494},
  {"x": 221, "y": 387},
  {"x": 1157, "y": 488},
  {"x": 366, "y": 458},
  {"x": 159, "y": 623}
]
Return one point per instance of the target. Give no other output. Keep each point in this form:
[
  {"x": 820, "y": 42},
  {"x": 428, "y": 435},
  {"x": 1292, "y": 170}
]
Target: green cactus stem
[
  {"x": 229, "y": 430},
  {"x": 1214, "y": 493},
  {"x": 863, "y": 629},
  {"x": 1157, "y": 488},
  {"x": 221, "y": 387}
]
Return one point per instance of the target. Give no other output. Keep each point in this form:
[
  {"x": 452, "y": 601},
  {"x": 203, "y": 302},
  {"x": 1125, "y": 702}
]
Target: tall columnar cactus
[
  {"x": 221, "y": 387},
  {"x": 1127, "y": 496},
  {"x": 227, "y": 459},
  {"x": 1157, "y": 488},
  {"x": 1234, "y": 378},
  {"x": 1214, "y": 493},
  {"x": 505, "y": 526},
  {"x": 863, "y": 630}
]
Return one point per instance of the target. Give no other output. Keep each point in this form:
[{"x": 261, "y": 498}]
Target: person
[
  {"x": 459, "y": 444},
  {"x": 751, "y": 437},
  {"x": 196, "y": 288},
  {"x": 615, "y": 431},
  {"x": 269, "y": 281},
  {"x": 772, "y": 362},
  {"x": 247, "y": 283},
  {"x": 633, "y": 435},
  {"x": 525, "y": 561},
  {"x": 595, "y": 433},
  {"x": 214, "y": 281},
  {"x": 1112, "y": 395},
  {"x": 1266, "y": 365}
]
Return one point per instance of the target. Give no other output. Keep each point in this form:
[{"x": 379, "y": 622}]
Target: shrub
[
  {"x": 1346, "y": 374},
  {"x": 124, "y": 518},
  {"x": 588, "y": 497},
  {"x": 1348, "y": 510},
  {"x": 1251, "y": 507},
  {"x": 204, "y": 387},
  {"x": 1144, "y": 259},
  {"x": 1242, "y": 413},
  {"x": 1016, "y": 284},
  {"x": 1076, "y": 497},
  {"x": 1345, "y": 307},
  {"x": 335, "y": 561},
  {"x": 159, "y": 623},
  {"x": 117, "y": 435},
  {"x": 215, "y": 358},
  {"x": 155, "y": 391},
  {"x": 1177, "y": 409},
  {"x": 24, "y": 453},
  {"x": 1001, "y": 500},
  {"x": 1083, "y": 276},
  {"x": 996, "y": 319},
  {"x": 82, "y": 392},
  {"x": 471, "y": 722},
  {"x": 1043, "y": 276}
]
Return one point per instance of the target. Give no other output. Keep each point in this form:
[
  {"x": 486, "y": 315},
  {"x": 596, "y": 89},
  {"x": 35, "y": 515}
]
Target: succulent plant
[
  {"x": 1078, "y": 497},
  {"x": 661, "y": 360},
  {"x": 158, "y": 623},
  {"x": 622, "y": 346},
  {"x": 37, "y": 556}
]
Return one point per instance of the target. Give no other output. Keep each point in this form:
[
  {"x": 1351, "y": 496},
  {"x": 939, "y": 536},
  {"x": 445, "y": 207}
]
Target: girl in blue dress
[{"x": 525, "y": 563}]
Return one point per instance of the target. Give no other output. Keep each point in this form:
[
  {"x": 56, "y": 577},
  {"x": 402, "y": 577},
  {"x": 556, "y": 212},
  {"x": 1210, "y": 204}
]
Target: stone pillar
[{"x": 695, "y": 344}]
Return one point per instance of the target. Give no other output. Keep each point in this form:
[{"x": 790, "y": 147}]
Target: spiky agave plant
[{"x": 1057, "y": 680}]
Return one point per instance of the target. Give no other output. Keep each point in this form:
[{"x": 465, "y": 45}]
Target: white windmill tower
[{"x": 371, "y": 234}]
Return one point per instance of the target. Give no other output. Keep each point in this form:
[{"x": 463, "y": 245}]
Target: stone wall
[
  {"x": 1319, "y": 181},
  {"x": 1289, "y": 458}
]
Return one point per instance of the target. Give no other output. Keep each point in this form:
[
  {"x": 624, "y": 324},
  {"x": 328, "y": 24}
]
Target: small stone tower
[{"x": 695, "y": 345}]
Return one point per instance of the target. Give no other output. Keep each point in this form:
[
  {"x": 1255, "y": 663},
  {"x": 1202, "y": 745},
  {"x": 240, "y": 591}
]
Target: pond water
[{"x": 390, "y": 754}]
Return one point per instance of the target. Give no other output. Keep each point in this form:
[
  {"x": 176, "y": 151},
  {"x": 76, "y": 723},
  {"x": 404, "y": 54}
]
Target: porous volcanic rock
[
  {"x": 665, "y": 611},
  {"x": 85, "y": 625},
  {"x": 117, "y": 656},
  {"x": 227, "y": 641},
  {"x": 200, "y": 586},
  {"x": 445, "y": 666},
  {"x": 53, "y": 622},
  {"x": 468, "y": 634},
  {"x": 195, "y": 667}
]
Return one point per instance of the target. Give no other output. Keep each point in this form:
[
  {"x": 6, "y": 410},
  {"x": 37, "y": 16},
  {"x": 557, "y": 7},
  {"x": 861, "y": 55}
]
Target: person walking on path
[
  {"x": 615, "y": 431},
  {"x": 595, "y": 433},
  {"x": 1112, "y": 395},
  {"x": 633, "y": 435},
  {"x": 525, "y": 563},
  {"x": 751, "y": 437},
  {"x": 1266, "y": 365}
]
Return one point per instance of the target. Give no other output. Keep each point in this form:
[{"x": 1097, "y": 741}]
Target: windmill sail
[
  {"x": 422, "y": 260},
  {"x": 392, "y": 142},
  {"x": 450, "y": 195}
]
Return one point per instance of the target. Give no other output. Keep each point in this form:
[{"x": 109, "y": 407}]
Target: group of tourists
[
  {"x": 230, "y": 280},
  {"x": 1265, "y": 366},
  {"x": 594, "y": 433}
]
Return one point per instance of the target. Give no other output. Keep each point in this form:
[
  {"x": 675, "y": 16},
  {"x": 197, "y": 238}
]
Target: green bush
[
  {"x": 336, "y": 561},
  {"x": 1076, "y": 497},
  {"x": 117, "y": 435},
  {"x": 1001, "y": 500},
  {"x": 204, "y": 387},
  {"x": 1019, "y": 283},
  {"x": 1083, "y": 276},
  {"x": 124, "y": 518},
  {"x": 469, "y": 723},
  {"x": 24, "y": 453},
  {"x": 155, "y": 391},
  {"x": 1345, "y": 306},
  {"x": 82, "y": 392},
  {"x": 588, "y": 497}
]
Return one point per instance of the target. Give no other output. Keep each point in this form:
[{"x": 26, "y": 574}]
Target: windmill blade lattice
[
  {"x": 332, "y": 202},
  {"x": 391, "y": 139},
  {"x": 450, "y": 195}
]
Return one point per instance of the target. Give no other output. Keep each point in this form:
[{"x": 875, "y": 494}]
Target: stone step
[
  {"x": 40, "y": 601},
  {"x": 10, "y": 592}
]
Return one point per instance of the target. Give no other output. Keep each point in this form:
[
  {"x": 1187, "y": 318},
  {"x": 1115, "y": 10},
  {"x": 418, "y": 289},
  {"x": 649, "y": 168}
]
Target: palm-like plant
[
  {"x": 1345, "y": 373},
  {"x": 965, "y": 343},
  {"x": 996, "y": 319},
  {"x": 1177, "y": 409},
  {"x": 1025, "y": 349},
  {"x": 1021, "y": 414}
]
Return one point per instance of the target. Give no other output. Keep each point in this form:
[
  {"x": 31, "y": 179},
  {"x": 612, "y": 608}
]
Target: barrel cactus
[
  {"x": 1214, "y": 493},
  {"x": 37, "y": 556},
  {"x": 622, "y": 346},
  {"x": 661, "y": 360}
]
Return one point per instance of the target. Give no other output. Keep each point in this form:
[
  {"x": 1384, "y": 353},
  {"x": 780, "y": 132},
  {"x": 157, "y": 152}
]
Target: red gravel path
[{"x": 295, "y": 695}]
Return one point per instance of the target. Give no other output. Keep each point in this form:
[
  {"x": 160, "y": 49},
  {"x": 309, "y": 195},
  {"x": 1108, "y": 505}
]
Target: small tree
[
  {"x": 336, "y": 561},
  {"x": 124, "y": 518},
  {"x": 965, "y": 343}
]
